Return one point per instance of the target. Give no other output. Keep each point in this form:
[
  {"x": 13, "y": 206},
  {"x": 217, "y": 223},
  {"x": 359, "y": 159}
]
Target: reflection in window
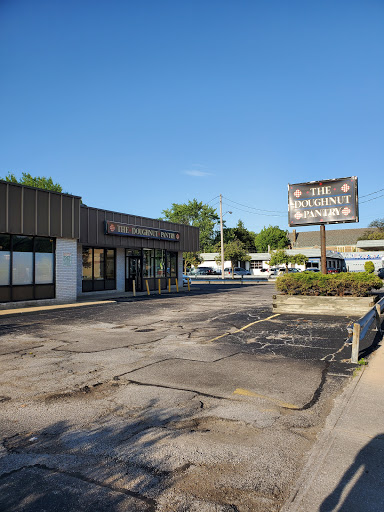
[
  {"x": 98, "y": 269},
  {"x": 173, "y": 264},
  {"x": 87, "y": 263},
  {"x": 159, "y": 263},
  {"x": 98, "y": 263},
  {"x": 148, "y": 262},
  {"x": 5, "y": 259},
  {"x": 44, "y": 268},
  {"x": 22, "y": 268}
]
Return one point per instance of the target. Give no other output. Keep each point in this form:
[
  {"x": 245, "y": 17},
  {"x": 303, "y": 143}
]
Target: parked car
[
  {"x": 294, "y": 270},
  {"x": 380, "y": 273},
  {"x": 312, "y": 269},
  {"x": 333, "y": 270},
  {"x": 238, "y": 271},
  {"x": 186, "y": 279},
  {"x": 203, "y": 271},
  {"x": 217, "y": 271}
]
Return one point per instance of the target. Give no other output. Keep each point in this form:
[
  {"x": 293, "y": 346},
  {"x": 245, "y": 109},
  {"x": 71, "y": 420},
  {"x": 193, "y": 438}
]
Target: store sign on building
[
  {"x": 323, "y": 202},
  {"x": 117, "y": 228}
]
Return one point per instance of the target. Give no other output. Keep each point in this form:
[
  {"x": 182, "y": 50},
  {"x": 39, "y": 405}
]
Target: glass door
[{"x": 133, "y": 273}]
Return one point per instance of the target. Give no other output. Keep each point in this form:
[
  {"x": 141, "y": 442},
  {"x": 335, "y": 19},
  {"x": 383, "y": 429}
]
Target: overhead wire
[
  {"x": 373, "y": 198},
  {"x": 252, "y": 207},
  {"x": 213, "y": 199},
  {"x": 258, "y": 213},
  {"x": 372, "y": 193}
]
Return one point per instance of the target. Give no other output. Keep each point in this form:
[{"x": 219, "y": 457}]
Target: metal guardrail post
[
  {"x": 378, "y": 321},
  {"x": 355, "y": 343},
  {"x": 361, "y": 327}
]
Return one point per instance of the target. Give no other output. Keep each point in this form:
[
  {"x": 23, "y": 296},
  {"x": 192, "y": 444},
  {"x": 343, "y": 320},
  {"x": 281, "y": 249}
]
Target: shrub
[
  {"x": 369, "y": 267},
  {"x": 358, "y": 284}
]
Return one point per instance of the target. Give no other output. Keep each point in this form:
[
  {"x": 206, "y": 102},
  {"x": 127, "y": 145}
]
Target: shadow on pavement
[{"x": 362, "y": 486}]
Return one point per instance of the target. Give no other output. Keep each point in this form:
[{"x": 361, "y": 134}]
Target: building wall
[
  {"x": 180, "y": 269},
  {"x": 66, "y": 269},
  {"x": 355, "y": 261},
  {"x": 120, "y": 269}
]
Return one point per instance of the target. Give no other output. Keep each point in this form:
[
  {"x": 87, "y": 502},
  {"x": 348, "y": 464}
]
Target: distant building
[
  {"x": 338, "y": 240},
  {"x": 346, "y": 242}
]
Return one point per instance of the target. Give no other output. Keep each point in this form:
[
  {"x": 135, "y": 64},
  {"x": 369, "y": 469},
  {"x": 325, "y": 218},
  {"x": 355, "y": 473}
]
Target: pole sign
[
  {"x": 323, "y": 202},
  {"x": 117, "y": 228}
]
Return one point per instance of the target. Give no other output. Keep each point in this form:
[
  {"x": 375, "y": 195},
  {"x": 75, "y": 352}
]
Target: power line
[
  {"x": 371, "y": 194},
  {"x": 252, "y": 207},
  {"x": 212, "y": 199},
  {"x": 258, "y": 213},
  {"x": 373, "y": 198}
]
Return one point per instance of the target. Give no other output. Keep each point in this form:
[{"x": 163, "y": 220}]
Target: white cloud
[{"x": 195, "y": 172}]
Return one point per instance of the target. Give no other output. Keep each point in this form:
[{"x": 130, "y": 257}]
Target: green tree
[
  {"x": 280, "y": 257},
  {"x": 272, "y": 236},
  {"x": 377, "y": 223},
  {"x": 245, "y": 236},
  {"x": 37, "y": 181},
  {"x": 234, "y": 251},
  {"x": 191, "y": 259},
  {"x": 369, "y": 267},
  {"x": 195, "y": 213},
  {"x": 378, "y": 234}
]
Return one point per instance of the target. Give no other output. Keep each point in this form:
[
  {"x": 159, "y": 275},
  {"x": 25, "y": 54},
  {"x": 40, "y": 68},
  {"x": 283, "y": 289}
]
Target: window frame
[
  {"x": 32, "y": 291},
  {"x": 96, "y": 285}
]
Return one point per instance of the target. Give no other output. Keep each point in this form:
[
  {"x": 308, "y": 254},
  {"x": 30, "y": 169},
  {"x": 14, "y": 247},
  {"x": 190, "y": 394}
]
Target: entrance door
[{"x": 133, "y": 273}]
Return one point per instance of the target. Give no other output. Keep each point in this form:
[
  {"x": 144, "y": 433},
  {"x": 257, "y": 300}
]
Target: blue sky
[{"x": 136, "y": 105}]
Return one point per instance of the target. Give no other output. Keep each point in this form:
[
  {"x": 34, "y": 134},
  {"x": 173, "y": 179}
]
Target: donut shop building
[{"x": 54, "y": 249}]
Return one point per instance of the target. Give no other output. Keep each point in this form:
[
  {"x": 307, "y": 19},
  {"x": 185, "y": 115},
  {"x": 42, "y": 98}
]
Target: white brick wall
[
  {"x": 180, "y": 269},
  {"x": 66, "y": 269},
  {"x": 120, "y": 269}
]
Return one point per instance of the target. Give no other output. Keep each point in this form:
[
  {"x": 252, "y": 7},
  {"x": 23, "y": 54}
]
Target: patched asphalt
[{"x": 192, "y": 401}]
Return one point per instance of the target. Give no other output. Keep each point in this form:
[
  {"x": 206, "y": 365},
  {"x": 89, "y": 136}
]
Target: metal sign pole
[{"x": 323, "y": 249}]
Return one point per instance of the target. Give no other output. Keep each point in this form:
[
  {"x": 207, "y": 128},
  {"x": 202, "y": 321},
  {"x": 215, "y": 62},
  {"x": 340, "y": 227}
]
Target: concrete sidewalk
[{"x": 345, "y": 470}]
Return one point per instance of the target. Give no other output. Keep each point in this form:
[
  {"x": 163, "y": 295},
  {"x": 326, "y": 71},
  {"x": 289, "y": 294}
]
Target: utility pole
[
  {"x": 221, "y": 237},
  {"x": 323, "y": 249}
]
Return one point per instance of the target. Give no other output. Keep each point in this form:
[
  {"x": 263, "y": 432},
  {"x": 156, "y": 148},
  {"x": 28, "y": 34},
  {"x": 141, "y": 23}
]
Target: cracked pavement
[{"x": 164, "y": 404}]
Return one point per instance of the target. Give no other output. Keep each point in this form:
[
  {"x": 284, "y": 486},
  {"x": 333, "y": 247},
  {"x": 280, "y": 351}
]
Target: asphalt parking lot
[{"x": 201, "y": 401}]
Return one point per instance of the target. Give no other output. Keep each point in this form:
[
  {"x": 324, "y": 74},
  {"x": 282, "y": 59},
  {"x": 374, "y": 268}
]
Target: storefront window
[
  {"x": 171, "y": 264},
  {"x": 148, "y": 262},
  {"x": 98, "y": 269},
  {"x": 87, "y": 263},
  {"x": 159, "y": 263},
  {"x": 44, "y": 260},
  {"x": 26, "y": 268},
  {"x": 5, "y": 259},
  {"x": 98, "y": 264},
  {"x": 22, "y": 267}
]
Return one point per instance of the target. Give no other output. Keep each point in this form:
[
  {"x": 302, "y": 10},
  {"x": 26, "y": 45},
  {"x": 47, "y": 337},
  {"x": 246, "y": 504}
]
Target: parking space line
[
  {"x": 243, "y": 328},
  {"x": 257, "y": 321},
  {"x": 33, "y": 309},
  {"x": 280, "y": 403}
]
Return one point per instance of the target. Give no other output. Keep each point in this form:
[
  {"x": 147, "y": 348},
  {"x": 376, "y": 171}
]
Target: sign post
[
  {"x": 323, "y": 246},
  {"x": 323, "y": 202}
]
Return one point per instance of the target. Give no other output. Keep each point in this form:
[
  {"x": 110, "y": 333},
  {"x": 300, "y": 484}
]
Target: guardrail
[
  {"x": 358, "y": 330},
  {"x": 227, "y": 280}
]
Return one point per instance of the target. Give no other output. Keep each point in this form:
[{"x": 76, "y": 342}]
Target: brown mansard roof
[{"x": 334, "y": 237}]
